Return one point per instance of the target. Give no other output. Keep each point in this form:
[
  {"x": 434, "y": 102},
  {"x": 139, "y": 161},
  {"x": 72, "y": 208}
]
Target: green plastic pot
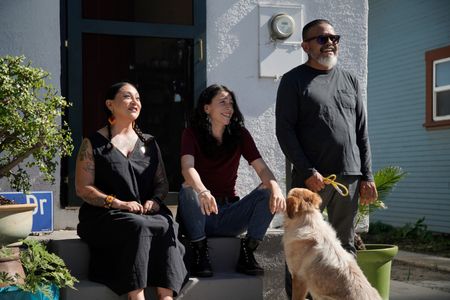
[{"x": 376, "y": 263}]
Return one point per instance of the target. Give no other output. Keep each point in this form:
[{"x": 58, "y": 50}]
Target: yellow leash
[{"x": 339, "y": 187}]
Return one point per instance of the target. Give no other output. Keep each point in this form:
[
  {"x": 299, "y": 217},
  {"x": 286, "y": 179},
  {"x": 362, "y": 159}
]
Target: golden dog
[{"x": 314, "y": 256}]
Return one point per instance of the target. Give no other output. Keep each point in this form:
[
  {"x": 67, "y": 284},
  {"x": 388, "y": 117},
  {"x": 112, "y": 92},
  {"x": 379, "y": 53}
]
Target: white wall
[
  {"x": 232, "y": 60},
  {"x": 32, "y": 28}
]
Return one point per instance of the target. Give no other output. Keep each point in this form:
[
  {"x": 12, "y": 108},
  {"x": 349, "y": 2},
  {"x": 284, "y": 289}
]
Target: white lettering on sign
[
  {"x": 31, "y": 199},
  {"x": 41, "y": 204}
]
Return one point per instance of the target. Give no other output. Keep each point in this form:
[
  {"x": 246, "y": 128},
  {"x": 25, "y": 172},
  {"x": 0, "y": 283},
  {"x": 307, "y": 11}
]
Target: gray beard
[{"x": 328, "y": 62}]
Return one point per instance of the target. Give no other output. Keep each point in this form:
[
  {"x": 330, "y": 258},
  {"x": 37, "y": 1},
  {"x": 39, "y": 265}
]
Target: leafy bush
[
  {"x": 42, "y": 269},
  {"x": 410, "y": 237},
  {"x": 29, "y": 113},
  {"x": 385, "y": 180}
]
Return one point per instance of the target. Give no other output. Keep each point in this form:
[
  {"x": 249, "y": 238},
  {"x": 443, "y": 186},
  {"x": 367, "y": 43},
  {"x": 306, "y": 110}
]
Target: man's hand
[
  {"x": 315, "y": 182},
  {"x": 367, "y": 192}
]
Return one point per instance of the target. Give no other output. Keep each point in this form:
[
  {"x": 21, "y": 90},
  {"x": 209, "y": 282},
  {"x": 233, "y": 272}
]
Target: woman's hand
[
  {"x": 151, "y": 207},
  {"x": 277, "y": 201},
  {"x": 131, "y": 206},
  {"x": 208, "y": 203}
]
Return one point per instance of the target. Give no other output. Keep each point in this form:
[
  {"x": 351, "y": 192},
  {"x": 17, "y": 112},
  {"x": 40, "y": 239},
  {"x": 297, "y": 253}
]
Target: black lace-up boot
[
  {"x": 201, "y": 266},
  {"x": 247, "y": 263}
]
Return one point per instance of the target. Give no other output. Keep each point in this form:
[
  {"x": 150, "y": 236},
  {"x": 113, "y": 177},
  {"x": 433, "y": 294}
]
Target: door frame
[{"x": 76, "y": 27}]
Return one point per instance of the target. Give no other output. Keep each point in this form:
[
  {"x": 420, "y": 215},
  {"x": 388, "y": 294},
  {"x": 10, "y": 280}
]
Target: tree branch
[
  {"x": 5, "y": 140},
  {"x": 7, "y": 167}
]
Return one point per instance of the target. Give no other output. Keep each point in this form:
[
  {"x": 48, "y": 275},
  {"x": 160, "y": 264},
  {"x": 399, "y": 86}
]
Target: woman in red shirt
[{"x": 209, "y": 206}]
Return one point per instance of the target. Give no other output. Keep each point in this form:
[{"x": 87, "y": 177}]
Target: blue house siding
[{"x": 400, "y": 32}]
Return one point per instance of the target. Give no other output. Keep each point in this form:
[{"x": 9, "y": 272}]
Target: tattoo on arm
[
  {"x": 83, "y": 153},
  {"x": 93, "y": 198},
  {"x": 85, "y": 156}
]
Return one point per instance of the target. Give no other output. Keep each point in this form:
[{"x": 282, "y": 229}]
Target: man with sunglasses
[{"x": 321, "y": 127}]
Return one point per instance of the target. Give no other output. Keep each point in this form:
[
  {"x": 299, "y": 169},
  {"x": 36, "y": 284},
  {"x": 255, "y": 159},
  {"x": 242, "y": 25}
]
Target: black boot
[
  {"x": 247, "y": 263},
  {"x": 201, "y": 266}
]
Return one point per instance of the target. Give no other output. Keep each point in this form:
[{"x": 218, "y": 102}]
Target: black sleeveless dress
[{"x": 130, "y": 251}]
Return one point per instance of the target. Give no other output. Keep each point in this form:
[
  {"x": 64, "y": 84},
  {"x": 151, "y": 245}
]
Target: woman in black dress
[{"x": 121, "y": 178}]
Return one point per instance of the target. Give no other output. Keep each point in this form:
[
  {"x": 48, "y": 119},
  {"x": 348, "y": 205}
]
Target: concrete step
[
  {"x": 225, "y": 284},
  {"x": 223, "y": 252}
]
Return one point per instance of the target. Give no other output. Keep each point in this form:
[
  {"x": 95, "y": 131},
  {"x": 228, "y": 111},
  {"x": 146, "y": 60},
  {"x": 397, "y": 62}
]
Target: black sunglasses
[{"x": 323, "y": 39}]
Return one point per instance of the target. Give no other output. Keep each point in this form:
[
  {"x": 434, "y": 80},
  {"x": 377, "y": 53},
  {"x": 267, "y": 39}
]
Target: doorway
[{"x": 147, "y": 44}]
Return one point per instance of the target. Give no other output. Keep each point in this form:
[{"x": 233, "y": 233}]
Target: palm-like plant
[{"x": 385, "y": 180}]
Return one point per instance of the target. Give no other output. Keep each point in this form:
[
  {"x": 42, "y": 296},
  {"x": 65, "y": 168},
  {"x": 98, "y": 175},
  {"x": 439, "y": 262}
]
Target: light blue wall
[{"x": 400, "y": 32}]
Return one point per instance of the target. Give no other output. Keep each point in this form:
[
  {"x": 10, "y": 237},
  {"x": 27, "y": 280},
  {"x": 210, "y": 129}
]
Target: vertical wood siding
[{"x": 400, "y": 32}]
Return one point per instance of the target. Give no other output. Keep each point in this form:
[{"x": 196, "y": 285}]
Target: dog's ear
[
  {"x": 291, "y": 206},
  {"x": 316, "y": 200}
]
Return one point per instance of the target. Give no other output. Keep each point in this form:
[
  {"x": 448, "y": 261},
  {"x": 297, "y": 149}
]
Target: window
[
  {"x": 438, "y": 88},
  {"x": 163, "y": 12}
]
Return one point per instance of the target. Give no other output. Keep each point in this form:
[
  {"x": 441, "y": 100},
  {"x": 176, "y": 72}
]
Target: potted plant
[
  {"x": 31, "y": 136},
  {"x": 30, "y": 111},
  {"x": 40, "y": 276},
  {"x": 375, "y": 259},
  {"x": 16, "y": 221}
]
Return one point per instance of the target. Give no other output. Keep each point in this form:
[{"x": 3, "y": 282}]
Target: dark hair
[
  {"x": 110, "y": 95},
  {"x": 199, "y": 122},
  {"x": 311, "y": 24}
]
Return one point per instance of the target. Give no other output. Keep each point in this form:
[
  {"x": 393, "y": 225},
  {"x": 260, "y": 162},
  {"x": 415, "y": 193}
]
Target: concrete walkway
[
  {"x": 426, "y": 261},
  {"x": 401, "y": 290},
  {"x": 408, "y": 291}
]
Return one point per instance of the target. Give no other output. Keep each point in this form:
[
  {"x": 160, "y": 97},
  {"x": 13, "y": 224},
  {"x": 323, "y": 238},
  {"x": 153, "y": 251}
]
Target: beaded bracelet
[
  {"x": 108, "y": 201},
  {"x": 203, "y": 192}
]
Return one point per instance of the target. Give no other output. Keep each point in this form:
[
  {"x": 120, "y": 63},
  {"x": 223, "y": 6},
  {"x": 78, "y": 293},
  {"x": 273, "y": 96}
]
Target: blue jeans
[{"x": 251, "y": 214}]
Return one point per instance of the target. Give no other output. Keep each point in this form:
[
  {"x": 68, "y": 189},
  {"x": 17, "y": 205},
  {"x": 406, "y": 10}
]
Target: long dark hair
[
  {"x": 200, "y": 123},
  {"x": 110, "y": 95}
]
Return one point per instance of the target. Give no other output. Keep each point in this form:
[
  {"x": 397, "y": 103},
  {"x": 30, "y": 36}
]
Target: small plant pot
[
  {"x": 12, "y": 266},
  {"x": 376, "y": 263},
  {"x": 16, "y": 222},
  {"x": 13, "y": 292}
]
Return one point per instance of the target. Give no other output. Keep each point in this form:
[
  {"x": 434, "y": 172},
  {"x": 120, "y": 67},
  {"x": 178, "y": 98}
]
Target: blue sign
[{"x": 42, "y": 214}]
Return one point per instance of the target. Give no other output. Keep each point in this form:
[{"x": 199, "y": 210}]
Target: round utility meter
[{"x": 281, "y": 26}]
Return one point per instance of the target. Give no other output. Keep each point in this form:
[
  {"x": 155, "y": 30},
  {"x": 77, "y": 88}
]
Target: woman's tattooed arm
[{"x": 85, "y": 176}]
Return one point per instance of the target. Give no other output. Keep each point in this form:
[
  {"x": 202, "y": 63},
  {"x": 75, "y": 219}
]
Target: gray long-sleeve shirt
[{"x": 321, "y": 123}]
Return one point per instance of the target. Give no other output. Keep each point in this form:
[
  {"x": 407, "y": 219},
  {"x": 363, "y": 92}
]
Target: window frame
[{"x": 432, "y": 58}]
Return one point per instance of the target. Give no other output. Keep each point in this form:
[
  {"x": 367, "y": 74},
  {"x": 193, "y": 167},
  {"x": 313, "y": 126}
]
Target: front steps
[{"x": 226, "y": 284}]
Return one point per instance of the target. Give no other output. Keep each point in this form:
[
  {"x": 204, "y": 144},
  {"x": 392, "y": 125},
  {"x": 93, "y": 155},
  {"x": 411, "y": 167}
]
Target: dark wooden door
[{"x": 163, "y": 60}]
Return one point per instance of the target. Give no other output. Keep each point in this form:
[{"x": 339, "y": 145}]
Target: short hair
[{"x": 311, "y": 24}]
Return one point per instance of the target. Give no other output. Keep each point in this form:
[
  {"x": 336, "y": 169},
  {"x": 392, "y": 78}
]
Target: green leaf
[
  {"x": 30, "y": 123},
  {"x": 385, "y": 180},
  {"x": 42, "y": 269}
]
